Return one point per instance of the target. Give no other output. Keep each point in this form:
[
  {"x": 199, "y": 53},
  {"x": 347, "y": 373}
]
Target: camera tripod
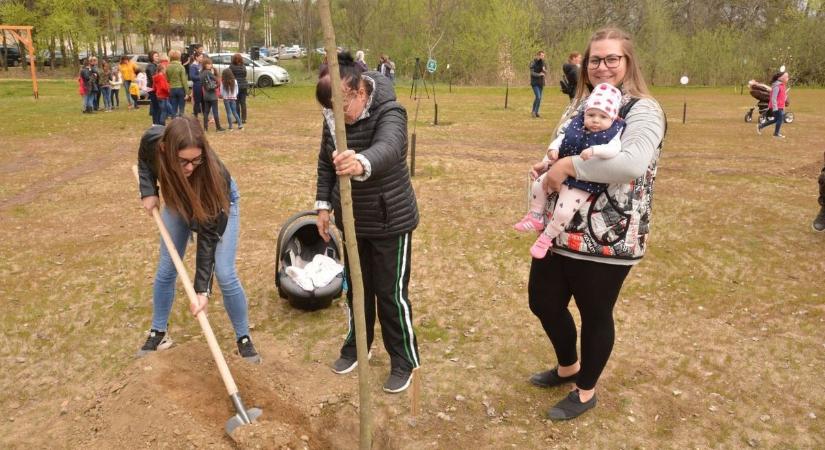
[
  {"x": 253, "y": 86},
  {"x": 418, "y": 74}
]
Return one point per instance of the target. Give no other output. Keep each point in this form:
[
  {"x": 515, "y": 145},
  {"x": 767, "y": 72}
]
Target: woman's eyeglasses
[
  {"x": 610, "y": 61},
  {"x": 194, "y": 161}
]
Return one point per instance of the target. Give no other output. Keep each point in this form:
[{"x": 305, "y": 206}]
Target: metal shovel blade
[{"x": 237, "y": 420}]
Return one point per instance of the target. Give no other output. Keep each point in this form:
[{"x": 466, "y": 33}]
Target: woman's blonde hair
[
  {"x": 201, "y": 196},
  {"x": 633, "y": 83}
]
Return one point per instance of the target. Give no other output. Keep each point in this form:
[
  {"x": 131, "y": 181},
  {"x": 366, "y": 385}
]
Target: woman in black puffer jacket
[
  {"x": 384, "y": 209},
  {"x": 239, "y": 70}
]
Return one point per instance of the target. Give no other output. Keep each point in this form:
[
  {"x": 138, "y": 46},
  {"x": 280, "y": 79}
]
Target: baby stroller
[
  {"x": 299, "y": 242},
  {"x": 762, "y": 94}
]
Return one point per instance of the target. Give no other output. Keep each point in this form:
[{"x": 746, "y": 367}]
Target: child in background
[
  {"x": 106, "y": 87},
  {"x": 209, "y": 81},
  {"x": 596, "y": 132},
  {"x": 134, "y": 89},
  {"x": 161, "y": 85},
  {"x": 229, "y": 90},
  {"x": 117, "y": 82}
]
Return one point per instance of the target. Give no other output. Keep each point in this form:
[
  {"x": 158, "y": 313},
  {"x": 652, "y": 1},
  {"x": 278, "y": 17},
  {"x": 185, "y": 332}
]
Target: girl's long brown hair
[
  {"x": 633, "y": 83},
  {"x": 203, "y": 195}
]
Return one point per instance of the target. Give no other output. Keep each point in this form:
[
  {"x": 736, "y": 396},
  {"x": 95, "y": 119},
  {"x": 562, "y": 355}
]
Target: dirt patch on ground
[{"x": 176, "y": 399}]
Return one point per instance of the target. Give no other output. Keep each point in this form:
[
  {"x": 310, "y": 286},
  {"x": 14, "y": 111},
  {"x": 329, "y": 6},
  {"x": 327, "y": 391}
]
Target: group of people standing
[
  {"x": 165, "y": 82},
  {"x": 538, "y": 78},
  {"x": 587, "y": 257}
]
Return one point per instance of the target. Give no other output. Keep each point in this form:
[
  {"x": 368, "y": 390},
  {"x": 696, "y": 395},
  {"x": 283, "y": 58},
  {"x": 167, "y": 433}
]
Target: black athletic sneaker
[
  {"x": 819, "y": 221},
  {"x": 247, "y": 350},
  {"x": 157, "y": 341},
  {"x": 571, "y": 407},
  {"x": 398, "y": 381},
  {"x": 345, "y": 364}
]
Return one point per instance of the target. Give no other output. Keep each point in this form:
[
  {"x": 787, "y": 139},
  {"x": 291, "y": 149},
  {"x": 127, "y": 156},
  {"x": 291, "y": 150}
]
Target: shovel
[{"x": 244, "y": 416}]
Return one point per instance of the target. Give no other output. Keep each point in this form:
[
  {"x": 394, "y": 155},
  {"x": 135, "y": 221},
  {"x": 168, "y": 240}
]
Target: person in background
[
  {"x": 177, "y": 163},
  {"x": 779, "y": 96},
  {"x": 239, "y": 71},
  {"x": 106, "y": 86},
  {"x": 178, "y": 83},
  {"x": 98, "y": 75},
  {"x": 117, "y": 82},
  {"x": 538, "y": 72},
  {"x": 151, "y": 70},
  {"x": 360, "y": 62},
  {"x": 127, "y": 72},
  {"x": 197, "y": 88},
  {"x": 229, "y": 92},
  {"x": 570, "y": 76},
  {"x": 387, "y": 67},
  {"x": 90, "y": 83},
  {"x": 209, "y": 81},
  {"x": 134, "y": 88},
  {"x": 161, "y": 94},
  {"x": 81, "y": 87},
  {"x": 819, "y": 221}
]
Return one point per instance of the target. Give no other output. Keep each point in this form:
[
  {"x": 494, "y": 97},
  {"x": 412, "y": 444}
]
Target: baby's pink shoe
[
  {"x": 529, "y": 223},
  {"x": 539, "y": 249}
]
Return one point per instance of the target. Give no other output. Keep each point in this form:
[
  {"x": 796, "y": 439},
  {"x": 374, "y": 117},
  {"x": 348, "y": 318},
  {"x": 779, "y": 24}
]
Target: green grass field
[{"x": 720, "y": 329}]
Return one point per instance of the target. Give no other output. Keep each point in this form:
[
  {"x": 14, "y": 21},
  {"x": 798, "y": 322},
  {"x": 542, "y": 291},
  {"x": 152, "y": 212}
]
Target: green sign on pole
[{"x": 431, "y": 65}]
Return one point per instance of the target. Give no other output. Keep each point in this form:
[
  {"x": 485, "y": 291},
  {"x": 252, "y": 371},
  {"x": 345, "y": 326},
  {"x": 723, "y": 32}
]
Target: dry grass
[{"x": 721, "y": 329}]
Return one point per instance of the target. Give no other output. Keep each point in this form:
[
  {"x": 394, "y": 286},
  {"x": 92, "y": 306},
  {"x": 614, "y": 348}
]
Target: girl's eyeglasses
[
  {"x": 610, "y": 61},
  {"x": 194, "y": 161}
]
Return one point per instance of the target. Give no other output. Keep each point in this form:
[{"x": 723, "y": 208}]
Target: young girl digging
[
  {"x": 594, "y": 132},
  {"x": 199, "y": 195}
]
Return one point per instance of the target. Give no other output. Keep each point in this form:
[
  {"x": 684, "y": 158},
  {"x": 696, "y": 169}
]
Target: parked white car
[{"x": 265, "y": 74}]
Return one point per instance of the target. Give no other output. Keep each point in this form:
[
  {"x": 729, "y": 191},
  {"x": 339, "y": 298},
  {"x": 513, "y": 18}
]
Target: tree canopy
[{"x": 712, "y": 41}]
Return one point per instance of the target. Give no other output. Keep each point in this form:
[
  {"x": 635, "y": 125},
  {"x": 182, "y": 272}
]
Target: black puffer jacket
[
  {"x": 209, "y": 234},
  {"x": 384, "y": 204},
  {"x": 240, "y": 75}
]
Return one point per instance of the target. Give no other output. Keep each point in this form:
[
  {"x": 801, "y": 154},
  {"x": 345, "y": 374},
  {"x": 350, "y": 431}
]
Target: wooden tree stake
[{"x": 364, "y": 408}]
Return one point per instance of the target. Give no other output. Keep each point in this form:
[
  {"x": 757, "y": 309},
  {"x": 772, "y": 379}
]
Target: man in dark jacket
[
  {"x": 384, "y": 209},
  {"x": 239, "y": 70},
  {"x": 90, "y": 77},
  {"x": 570, "y": 79},
  {"x": 819, "y": 221},
  {"x": 151, "y": 70},
  {"x": 538, "y": 71}
]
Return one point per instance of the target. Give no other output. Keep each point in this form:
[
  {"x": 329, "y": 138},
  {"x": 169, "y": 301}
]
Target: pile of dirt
[{"x": 176, "y": 399}]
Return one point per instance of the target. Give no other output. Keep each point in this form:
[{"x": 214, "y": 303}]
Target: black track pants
[
  {"x": 595, "y": 286},
  {"x": 385, "y": 270}
]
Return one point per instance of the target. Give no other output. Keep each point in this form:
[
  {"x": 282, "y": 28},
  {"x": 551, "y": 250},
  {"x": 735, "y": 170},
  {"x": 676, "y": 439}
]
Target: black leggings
[{"x": 595, "y": 286}]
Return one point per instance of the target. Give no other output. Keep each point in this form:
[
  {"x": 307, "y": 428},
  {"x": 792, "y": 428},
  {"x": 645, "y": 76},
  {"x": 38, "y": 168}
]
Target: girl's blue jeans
[
  {"x": 231, "y": 107},
  {"x": 234, "y": 298}
]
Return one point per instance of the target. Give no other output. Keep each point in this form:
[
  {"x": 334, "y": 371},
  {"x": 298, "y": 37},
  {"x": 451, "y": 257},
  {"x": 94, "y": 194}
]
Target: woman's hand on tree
[{"x": 346, "y": 163}]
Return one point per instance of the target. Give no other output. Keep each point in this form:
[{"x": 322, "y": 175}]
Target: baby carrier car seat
[{"x": 299, "y": 239}]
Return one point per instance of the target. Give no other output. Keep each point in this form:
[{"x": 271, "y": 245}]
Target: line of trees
[{"x": 714, "y": 42}]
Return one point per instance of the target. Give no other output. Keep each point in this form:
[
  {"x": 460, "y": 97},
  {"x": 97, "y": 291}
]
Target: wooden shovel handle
[{"x": 223, "y": 368}]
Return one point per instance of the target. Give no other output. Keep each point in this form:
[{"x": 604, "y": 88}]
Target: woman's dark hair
[
  {"x": 228, "y": 79},
  {"x": 350, "y": 75},
  {"x": 237, "y": 59},
  {"x": 203, "y": 195},
  {"x": 124, "y": 59},
  {"x": 151, "y": 55},
  {"x": 776, "y": 76}
]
